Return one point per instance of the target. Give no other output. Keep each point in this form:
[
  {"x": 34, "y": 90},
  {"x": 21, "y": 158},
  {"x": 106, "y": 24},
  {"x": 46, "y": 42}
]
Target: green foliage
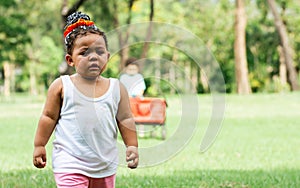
[
  {"x": 22, "y": 83},
  {"x": 49, "y": 59},
  {"x": 36, "y": 25},
  {"x": 202, "y": 15},
  {"x": 112, "y": 68},
  {"x": 13, "y": 34},
  {"x": 7, "y": 4},
  {"x": 292, "y": 21}
]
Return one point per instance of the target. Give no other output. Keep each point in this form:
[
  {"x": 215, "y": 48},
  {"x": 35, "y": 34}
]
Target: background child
[
  {"x": 132, "y": 79},
  {"x": 85, "y": 109},
  {"x": 134, "y": 83}
]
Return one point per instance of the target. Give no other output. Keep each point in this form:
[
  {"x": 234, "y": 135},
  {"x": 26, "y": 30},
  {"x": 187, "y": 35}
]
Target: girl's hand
[
  {"x": 39, "y": 157},
  {"x": 132, "y": 157}
]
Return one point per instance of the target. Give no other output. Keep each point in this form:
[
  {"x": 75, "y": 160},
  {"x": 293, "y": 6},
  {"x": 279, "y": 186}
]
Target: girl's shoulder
[
  {"x": 56, "y": 87},
  {"x": 57, "y": 83}
]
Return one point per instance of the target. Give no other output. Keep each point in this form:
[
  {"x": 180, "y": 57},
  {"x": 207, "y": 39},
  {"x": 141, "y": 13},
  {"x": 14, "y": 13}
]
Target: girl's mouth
[{"x": 94, "y": 66}]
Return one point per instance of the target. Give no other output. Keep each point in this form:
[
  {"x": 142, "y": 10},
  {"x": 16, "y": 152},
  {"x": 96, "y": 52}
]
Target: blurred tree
[
  {"x": 45, "y": 49},
  {"x": 286, "y": 48},
  {"x": 31, "y": 39},
  {"x": 260, "y": 35},
  {"x": 241, "y": 65},
  {"x": 149, "y": 31},
  {"x": 203, "y": 19},
  {"x": 13, "y": 37}
]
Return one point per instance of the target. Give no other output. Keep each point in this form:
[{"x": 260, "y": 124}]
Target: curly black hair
[{"x": 80, "y": 31}]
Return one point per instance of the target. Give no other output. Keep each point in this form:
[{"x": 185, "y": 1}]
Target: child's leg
[
  {"x": 107, "y": 182},
  {"x": 141, "y": 130},
  {"x": 71, "y": 180}
]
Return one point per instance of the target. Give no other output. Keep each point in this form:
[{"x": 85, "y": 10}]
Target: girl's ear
[
  {"x": 108, "y": 56},
  {"x": 69, "y": 60}
]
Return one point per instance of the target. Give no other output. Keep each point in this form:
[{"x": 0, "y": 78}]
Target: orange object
[
  {"x": 80, "y": 22},
  {"x": 148, "y": 110}
]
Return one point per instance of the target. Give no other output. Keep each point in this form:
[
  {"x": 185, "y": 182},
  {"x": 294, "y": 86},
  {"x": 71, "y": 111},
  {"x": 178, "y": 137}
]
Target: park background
[{"x": 254, "y": 42}]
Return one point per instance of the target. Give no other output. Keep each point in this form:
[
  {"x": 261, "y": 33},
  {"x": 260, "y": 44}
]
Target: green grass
[{"x": 258, "y": 146}]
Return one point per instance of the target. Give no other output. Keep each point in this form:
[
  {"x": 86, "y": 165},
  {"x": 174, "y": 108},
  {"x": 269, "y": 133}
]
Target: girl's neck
[
  {"x": 93, "y": 88},
  {"x": 87, "y": 80}
]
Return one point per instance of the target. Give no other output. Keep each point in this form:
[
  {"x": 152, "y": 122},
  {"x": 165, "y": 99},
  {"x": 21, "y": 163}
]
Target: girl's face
[{"x": 89, "y": 55}]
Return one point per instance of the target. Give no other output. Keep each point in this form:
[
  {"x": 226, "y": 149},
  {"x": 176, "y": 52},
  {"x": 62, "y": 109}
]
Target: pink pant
[{"x": 80, "y": 181}]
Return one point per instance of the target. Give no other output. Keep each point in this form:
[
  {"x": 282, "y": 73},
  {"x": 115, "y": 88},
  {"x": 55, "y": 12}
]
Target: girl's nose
[{"x": 93, "y": 56}]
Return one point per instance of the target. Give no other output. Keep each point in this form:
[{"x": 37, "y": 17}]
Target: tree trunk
[
  {"x": 9, "y": 74},
  {"x": 204, "y": 81},
  {"x": 12, "y": 77},
  {"x": 6, "y": 79},
  {"x": 172, "y": 73},
  {"x": 193, "y": 77},
  {"x": 149, "y": 31},
  {"x": 287, "y": 50},
  {"x": 32, "y": 78},
  {"x": 187, "y": 80},
  {"x": 282, "y": 67},
  {"x": 157, "y": 74},
  {"x": 241, "y": 69},
  {"x": 123, "y": 38}
]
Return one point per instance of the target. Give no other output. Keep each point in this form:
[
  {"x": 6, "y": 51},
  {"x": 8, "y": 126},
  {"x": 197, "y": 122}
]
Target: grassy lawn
[{"x": 258, "y": 146}]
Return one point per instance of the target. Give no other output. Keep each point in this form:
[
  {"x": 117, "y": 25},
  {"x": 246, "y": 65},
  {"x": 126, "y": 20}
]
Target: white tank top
[{"x": 86, "y": 133}]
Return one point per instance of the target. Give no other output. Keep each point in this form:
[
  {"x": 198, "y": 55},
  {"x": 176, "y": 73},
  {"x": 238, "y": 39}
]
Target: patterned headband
[{"x": 82, "y": 23}]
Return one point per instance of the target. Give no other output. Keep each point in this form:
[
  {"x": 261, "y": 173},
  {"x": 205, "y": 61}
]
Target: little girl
[{"x": 86, "y": 110}]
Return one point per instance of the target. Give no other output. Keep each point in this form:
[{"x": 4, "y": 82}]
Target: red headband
[{"x": 80, "y": 22}]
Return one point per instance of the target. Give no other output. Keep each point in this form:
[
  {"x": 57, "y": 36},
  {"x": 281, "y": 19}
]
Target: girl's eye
[
  {"x": 100, "y": 51},
  {"x": 84, "y": 53},
  {"x": 87, "y": 52}
]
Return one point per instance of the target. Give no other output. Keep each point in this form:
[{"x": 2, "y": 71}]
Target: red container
[{"x": 148, "y": 110}]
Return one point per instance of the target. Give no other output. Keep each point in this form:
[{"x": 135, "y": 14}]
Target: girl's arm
[
  {"x": 47, "y": 123},
  {"x": 127, "y": 128}
]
